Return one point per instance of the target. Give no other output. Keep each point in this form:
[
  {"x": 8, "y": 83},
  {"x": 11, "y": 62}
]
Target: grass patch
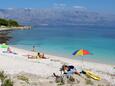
[
  {"x": 5, "y": 81},
  {"x": 23, "y": 78}
]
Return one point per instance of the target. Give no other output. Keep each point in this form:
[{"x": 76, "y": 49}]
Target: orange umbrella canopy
[{"x": 81, "y": 52}]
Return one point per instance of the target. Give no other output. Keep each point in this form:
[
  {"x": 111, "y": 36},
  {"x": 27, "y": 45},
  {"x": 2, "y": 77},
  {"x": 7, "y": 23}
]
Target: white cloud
[
  {"x": 59, "y": 5},
  {"x": 28, "y": 8},
  {"x": 10, "y": 8},
  {"x": 79, "y": 7}
]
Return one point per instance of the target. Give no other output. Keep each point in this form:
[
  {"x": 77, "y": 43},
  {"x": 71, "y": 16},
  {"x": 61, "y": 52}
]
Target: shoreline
[
  {"x": 67, "y": 59},
  {"x": 66, "y": 56},
  {"x": 87, "y": 60},
  {"x": 15, "y": 28}
]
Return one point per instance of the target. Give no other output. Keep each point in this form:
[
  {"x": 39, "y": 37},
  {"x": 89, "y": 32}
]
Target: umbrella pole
[{"x": 82, "y": 62}]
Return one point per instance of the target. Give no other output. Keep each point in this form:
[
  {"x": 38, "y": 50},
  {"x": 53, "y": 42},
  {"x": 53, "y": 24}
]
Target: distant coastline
[
  {"x": 11, "y": 24},
  {"x": 14, "y": 28}
]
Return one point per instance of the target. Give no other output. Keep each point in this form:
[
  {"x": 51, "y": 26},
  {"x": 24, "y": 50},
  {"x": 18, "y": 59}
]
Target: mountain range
[{"x": 57, "y": 16}]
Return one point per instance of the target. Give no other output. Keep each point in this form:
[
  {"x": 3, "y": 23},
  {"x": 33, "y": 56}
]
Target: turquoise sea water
[{"x": 63, "y": 41}]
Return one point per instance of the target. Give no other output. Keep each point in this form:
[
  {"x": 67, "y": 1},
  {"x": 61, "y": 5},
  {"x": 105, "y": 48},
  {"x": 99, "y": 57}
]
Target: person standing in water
[{"x": 33, "y": 49}]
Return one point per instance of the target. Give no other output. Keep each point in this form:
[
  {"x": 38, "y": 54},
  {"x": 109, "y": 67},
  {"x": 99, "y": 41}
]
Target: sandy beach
[{"x": 42, "y": 69}]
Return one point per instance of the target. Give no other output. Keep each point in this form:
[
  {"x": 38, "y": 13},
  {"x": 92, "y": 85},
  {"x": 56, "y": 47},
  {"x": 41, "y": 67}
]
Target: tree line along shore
[{"x": 9, "y": 24}]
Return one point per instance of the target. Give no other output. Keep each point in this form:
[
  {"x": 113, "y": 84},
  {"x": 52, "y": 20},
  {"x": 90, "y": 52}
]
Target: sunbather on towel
[
  {"x": 41, "y": 56},
  {"x": 36, "y": 56},
  {"x": 70, "y": 70},
  {"x": 9, "y": 51},
  {"x": 31, "y": 55}
]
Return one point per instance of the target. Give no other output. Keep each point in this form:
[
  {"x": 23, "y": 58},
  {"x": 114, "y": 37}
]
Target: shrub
[
  {"x": 7, "y": 82},
  {"x": 3, "y": 76}
]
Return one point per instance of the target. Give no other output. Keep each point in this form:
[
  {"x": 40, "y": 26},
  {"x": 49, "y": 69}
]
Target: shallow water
[{"x": 63, "y": 41}]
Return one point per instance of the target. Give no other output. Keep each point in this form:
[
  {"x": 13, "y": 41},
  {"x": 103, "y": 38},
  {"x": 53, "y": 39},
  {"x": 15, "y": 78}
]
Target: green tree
[
  {"x": 3, "y": 22},
  {"x": 12, "y": 23}
]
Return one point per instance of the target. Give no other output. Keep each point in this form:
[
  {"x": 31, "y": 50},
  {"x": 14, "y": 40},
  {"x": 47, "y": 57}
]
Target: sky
[{"x": 93, "y": 5}]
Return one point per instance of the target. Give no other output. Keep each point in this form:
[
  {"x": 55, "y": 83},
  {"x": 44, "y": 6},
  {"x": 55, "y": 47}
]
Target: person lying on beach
[
  {"x": 9, "y": 51},
  {"x": 41, "y": 56},
  {"x": 69, "y": 70},
  {"x": 31, "y": 56},
  {"x": 36, "y": 56}
]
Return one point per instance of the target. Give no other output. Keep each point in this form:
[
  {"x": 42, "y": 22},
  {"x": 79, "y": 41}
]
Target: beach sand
[{"x": 40, "y": 71}]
